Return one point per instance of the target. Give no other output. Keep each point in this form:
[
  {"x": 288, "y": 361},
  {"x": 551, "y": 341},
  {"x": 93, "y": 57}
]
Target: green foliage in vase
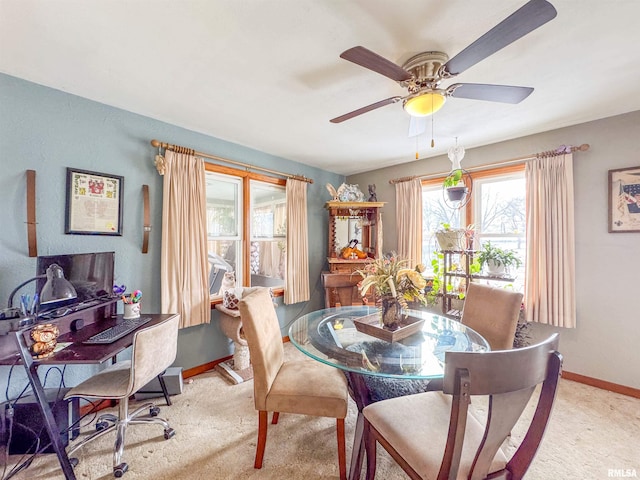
[{"x": 392, "y": 276}]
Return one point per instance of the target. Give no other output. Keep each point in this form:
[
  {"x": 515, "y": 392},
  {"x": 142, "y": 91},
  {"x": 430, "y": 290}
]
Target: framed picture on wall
[
  {"x": 624, "y": 200},
  {"x": 94, "y": 203}
]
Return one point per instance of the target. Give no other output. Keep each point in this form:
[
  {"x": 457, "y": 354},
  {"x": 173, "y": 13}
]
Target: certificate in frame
[
  {"x": 624, "y": 200},
  {"x": 94, "y": 203}
]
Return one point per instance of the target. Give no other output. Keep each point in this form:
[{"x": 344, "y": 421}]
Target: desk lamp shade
[{"x": 56, "y": 288}]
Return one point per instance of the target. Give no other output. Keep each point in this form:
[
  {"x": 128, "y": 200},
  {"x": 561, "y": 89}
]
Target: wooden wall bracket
[
  {"x": 147, "y": 220},
  {"x": 32, "y": 238}
]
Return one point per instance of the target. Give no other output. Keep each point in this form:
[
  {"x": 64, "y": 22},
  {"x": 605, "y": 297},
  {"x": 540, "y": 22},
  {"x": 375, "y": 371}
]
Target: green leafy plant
[
  {"x": 498, "y": 256},
  {"x": 453, "y": 178}
]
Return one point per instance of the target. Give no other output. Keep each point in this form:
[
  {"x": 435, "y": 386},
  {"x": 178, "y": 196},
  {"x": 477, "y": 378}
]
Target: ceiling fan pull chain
[{"x": 433, "y": 143}]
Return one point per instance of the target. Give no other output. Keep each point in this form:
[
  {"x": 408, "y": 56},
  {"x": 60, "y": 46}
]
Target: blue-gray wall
[{"x": 47, "y": 130}]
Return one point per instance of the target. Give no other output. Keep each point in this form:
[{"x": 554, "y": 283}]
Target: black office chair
[{"x": 154, "y": 350}]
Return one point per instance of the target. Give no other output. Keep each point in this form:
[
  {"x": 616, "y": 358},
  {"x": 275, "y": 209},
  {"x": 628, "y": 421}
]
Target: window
[
  {"x": 246, "y": 228},
  {"x": 435, "y": 212},
  {"x": 496, "y": 209},
  {"x": 499, "y": 216}
]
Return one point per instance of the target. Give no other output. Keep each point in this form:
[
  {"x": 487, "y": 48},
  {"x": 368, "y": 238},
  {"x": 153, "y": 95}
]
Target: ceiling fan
[{"x": 422, "y": 74}]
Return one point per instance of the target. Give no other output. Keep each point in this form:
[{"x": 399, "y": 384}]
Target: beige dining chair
[
  {"x": 493, "y": 313},
  {"x": 432, "y": 436},
  {"x": 305, "y": 387},
  {"x": 154, "y": 350}
]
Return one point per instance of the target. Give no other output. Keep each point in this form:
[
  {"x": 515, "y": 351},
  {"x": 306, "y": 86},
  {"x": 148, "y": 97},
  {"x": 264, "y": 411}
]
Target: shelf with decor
[
  {"x": 355, "y": 234},
  {"x": 464, "y": 272},
  {"x": 355, "y": 239}
]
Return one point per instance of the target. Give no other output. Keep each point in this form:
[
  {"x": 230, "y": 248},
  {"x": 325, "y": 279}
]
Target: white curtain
[
  {"x": 184, "y": 261},
  {"x": 297, "y": 277},
  {"x": 409, "y": 220},
  {"x": 550, "y": 279}
]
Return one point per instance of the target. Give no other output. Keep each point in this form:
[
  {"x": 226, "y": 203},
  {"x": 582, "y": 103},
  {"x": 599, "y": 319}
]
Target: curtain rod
[
  {"x": 189, "y": 151},
  {"x": 562, "y": 149}
]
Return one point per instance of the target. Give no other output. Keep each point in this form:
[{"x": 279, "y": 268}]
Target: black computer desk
[{"x": 15, "y": 349}]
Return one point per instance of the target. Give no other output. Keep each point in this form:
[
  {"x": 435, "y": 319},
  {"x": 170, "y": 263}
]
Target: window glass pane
[
  {"x": 499, "y": 206},
  {"x": 224, "y": 223},
  {"x": 268, "y": 234},
  {"x": 435, "y": 212}
]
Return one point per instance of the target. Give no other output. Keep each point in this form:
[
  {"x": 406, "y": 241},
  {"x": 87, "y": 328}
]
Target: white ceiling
[{"x": 267, "y": 74}]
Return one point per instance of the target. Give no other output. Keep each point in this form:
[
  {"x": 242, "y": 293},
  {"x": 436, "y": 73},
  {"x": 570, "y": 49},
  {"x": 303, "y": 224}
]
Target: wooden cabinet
[{"x": 349, "y": 221}]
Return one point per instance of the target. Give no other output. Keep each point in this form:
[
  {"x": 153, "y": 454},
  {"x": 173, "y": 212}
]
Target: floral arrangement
[{"x": 391, "y": 276}]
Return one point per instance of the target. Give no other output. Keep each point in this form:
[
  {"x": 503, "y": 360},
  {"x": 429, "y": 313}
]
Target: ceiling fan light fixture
[{"x": 424, "y": 104}]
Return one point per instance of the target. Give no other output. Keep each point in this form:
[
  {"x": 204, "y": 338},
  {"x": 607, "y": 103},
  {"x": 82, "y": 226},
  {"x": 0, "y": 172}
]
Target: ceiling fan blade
[
  {"x": 530, "y": 16},
  {"x": 368, "y": 59},
  {"x": 366, "y": 109},
  {"x": 491, "y": 93}
]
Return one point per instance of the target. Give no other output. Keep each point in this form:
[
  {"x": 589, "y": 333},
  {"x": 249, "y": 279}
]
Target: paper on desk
[{"x": 60, "y": 346}]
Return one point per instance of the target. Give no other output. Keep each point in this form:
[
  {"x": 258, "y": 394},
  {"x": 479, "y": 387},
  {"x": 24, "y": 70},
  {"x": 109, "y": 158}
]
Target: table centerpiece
[{"x": 395, "y": 284}]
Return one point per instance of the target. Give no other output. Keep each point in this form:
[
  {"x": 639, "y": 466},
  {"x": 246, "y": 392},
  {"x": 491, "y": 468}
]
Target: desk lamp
[{"x": 55, "y": 289}]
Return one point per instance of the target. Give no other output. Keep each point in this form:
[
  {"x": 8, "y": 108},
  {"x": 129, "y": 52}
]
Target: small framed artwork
[
  {"x": 94, "y": 203},
  {"x": 624, "y": 200}
]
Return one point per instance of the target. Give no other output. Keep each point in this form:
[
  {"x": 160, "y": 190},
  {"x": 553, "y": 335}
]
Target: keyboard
[{"x": 118, "y": 331}]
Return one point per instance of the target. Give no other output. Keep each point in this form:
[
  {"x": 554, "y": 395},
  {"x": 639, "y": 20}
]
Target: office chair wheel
[
  {"x": 154, "y": 411},
  {"x": 101, "y": 425},
  {"x": 169, "y": 433},
  {"x": 74, "y": 462},
  {"x": 120, "y": 470}
]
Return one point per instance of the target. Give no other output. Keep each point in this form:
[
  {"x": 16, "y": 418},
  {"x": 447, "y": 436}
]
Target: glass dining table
[{"x": 377, "y": 365}]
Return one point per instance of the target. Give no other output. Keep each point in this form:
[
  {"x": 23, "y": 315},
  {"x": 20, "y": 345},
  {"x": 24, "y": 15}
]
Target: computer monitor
[{"x": 91, "y": 274}]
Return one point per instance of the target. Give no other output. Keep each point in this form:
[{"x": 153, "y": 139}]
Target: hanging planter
[
  {"x": 457, "y": 186},
  {"x": 457, "y": 194}
]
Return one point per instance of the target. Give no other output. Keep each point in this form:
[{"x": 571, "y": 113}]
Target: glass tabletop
[{"x": 330, "y": 336}]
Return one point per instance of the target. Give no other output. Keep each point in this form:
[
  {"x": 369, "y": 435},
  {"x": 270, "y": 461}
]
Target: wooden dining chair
[
  {"x": 305, "y": 387},
  {"x": 493, "y": 313},
  {"x": 432, "y": 436}
]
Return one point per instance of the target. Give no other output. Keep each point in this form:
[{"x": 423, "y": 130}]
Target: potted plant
[
  {"x": 455, "y": 187},
  {"x": 454, "y": 239},
  {"x": 395, "y": 284},
  {"x": 496, "y": 259}
]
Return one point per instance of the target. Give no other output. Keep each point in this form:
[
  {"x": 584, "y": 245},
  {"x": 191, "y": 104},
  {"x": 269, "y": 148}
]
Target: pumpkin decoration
[{"x": 350, "y": 250}]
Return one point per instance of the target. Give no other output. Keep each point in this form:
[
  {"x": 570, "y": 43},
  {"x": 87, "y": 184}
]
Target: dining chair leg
[
  {"x": 262, "y": 438},
  {"x": 342, "y": 449},
  {"x": 274, "y": 419},
  {"x": 370, "y": 448}
]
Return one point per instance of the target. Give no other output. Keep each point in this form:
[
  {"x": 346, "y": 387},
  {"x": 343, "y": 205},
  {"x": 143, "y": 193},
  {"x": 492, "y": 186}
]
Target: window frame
[
  {"x": 480, "y": 173},
  {"x": 246, "y": 178},
  {"x": 476, "y": 175}
]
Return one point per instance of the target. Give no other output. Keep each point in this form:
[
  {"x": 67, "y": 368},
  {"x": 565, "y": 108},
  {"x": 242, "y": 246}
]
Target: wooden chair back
[{"x": 509, "y": 378}]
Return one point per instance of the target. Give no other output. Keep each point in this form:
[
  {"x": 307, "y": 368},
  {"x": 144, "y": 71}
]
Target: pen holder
[{"x": 131, "y": 310}]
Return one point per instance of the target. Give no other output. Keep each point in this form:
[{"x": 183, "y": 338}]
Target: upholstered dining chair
[
  {"x": 493, "y": 313},
  {"x": 431, "y": 436},
  {"x": 304, "y": 387},
  {"x": 154, "y": 350}
]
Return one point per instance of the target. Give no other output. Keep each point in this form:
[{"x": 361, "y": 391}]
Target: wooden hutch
[{"x": 349, "y": 221}]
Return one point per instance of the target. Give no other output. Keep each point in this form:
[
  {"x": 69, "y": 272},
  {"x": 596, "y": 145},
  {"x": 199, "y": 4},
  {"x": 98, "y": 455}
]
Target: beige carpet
[{"x": 591, "y": 431}]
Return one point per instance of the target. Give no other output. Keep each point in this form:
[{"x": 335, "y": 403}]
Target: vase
[{"x": 391, "y": 312}]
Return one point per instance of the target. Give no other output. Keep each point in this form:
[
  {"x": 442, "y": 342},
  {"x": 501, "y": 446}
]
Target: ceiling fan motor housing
[{"x": 425, "y": 68}]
